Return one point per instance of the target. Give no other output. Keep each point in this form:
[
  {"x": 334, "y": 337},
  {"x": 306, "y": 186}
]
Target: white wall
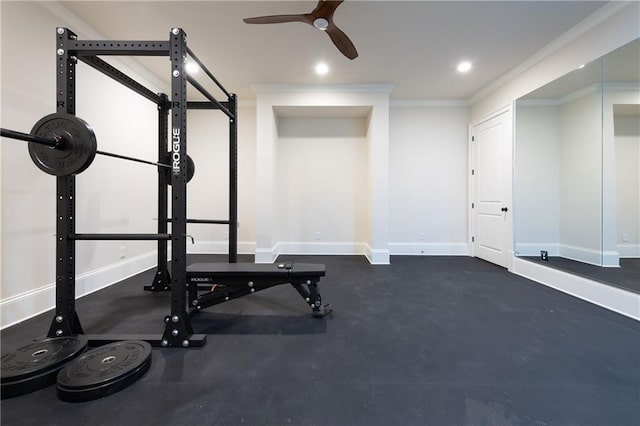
[
  {"x": 581, "y": 178},
  {"x": 111, "y": 196},
  {"x": 617, "y": 94},
  {"x": 627, "y": 146},
  {"x": 615, "y": 205},
  {"x": 628, "y": 191},
  {"x": 428, "y": 170},
  {"x": 537, "y": 179},
  {"x": 320, "y": 179},
  {"x": 208, "y": 191},
  {"x": 208, "y": 146},
  {"x": 278, "y": 102},
  {"x": 558, "y": 178}
]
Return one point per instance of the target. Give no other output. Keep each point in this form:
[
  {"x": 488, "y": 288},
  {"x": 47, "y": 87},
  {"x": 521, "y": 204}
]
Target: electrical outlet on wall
[
  {"x": 318, "y": 236},
  {"x": 422, "y": 236},
  {"x": 625, "y": 237},
  {"x": 123, "y": 252}
]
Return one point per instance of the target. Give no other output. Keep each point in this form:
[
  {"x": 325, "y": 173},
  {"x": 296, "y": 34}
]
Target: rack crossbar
[
  {"x": 120, "y": 237},
  {"x": 120, "y": 77},
  {"x": 119, "y": 47},
  {"x": 208, "y": 221},
  {"x": 209, "y": 96},
  {"x": 207, "y": 105},
  {"x": 211, "y": 76}
]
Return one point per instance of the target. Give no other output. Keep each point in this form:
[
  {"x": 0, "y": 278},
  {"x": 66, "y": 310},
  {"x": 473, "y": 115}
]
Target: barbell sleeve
[{"x": 13, "y": 134}]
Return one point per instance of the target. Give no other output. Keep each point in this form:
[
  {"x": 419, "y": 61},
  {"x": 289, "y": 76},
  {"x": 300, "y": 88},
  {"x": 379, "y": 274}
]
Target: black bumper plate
[{"x": 104, "y": 370}]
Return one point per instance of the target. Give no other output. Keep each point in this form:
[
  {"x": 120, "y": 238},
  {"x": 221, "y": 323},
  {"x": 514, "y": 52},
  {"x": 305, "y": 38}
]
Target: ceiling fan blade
[
  {"x": 342, "y": 42},
  {"x": 326, "y": 8},
  {"x": 276, "y": 19},
  {"x": 321, "y": 18}
]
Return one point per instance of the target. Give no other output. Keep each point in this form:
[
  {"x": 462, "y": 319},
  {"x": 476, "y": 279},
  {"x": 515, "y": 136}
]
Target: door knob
[{"x": 504, "y": 209}]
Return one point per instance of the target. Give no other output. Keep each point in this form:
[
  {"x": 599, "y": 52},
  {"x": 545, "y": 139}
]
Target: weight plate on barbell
[
  {"x": 191, "y": 168},
  {"x": 103, "y": 371},
  {"x": 78, "y": 148},
  {"x": 36, "y": 365}
]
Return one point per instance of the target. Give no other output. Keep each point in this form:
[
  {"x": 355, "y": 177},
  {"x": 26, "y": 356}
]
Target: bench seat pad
[{"x": 248, "y": 270}]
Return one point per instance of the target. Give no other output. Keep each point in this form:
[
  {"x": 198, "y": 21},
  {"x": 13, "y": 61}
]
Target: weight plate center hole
[
  {"x": 66, "y": 144},
  {"x": 61, "y": 140},
  {"x": 40, "y": 352},
  {"x": 109, "y": 359}
]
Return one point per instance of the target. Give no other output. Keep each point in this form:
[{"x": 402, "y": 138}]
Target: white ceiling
[{"x": 413, "y": 45}]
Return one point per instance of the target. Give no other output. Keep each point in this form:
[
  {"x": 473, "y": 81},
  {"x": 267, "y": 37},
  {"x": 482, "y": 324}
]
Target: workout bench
[{"x": 225, "y": 281}]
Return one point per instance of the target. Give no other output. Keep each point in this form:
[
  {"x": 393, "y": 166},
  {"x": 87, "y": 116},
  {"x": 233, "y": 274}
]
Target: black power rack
[{"x": 178, "y": 330}]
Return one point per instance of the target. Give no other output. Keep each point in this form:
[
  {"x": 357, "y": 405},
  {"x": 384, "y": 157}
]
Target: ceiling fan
[{"x": 321, "y": 18}]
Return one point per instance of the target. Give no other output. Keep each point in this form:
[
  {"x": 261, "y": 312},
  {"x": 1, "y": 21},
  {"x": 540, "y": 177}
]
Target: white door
[{"x": 491, "y": 155}]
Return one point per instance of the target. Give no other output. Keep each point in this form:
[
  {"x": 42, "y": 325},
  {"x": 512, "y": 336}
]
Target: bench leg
[{"x": 311, "y": 295}]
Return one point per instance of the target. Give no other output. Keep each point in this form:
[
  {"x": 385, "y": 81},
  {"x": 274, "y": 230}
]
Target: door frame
[{"x": 508, "y": 239}]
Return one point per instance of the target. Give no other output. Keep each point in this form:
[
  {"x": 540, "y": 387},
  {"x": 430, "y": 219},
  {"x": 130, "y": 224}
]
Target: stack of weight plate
[
  {"x": 36, "y": 365},
  {"x": 81, "y": 375}
]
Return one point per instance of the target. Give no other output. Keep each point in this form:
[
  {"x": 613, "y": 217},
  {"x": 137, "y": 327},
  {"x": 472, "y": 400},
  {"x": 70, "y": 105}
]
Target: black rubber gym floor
[{"x": 424, "y": 341}]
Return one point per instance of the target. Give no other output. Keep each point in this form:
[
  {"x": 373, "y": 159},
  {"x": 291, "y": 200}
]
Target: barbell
[{"x": 62, "y": 145}]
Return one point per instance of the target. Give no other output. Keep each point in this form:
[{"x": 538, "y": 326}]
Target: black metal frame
[{"x": 178, "y": 330}]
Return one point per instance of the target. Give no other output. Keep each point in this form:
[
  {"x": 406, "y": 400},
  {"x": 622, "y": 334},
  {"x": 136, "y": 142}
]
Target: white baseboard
[
  {"x": 581, "y": 254},
  {"x": 26, "y": 305},
  {"x": 377, "y": 256},
  {"x": 430, "y": 249},
  {"x": 609, "y": 297},
  {"x": 610, "y": 259},
  {"x": 628, "y": 250},
  {"x": 268, "y": 255},
  {"x": 320, "y": 248},
  {"x": 308, "y": 248},
  {"x": 534, "y": 249}
]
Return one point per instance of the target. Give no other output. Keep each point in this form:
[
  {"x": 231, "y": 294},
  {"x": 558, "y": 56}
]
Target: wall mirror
[{"x": 577, "y": 171}]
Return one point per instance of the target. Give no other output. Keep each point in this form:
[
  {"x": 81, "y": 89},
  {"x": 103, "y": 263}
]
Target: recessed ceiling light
[
  {"x": 464, "y": 66},
  {"x": 192, "y": 67},
  {"x": 581, "y": 66},
  {"x": 322, "y": 68}
]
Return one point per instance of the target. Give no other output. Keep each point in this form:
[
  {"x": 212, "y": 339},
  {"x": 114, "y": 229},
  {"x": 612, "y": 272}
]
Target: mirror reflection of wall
[
  {"x": 626, "y": 123},
  {"x": 577, "y": 173},
  {"x": 558, "y": 168}
]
